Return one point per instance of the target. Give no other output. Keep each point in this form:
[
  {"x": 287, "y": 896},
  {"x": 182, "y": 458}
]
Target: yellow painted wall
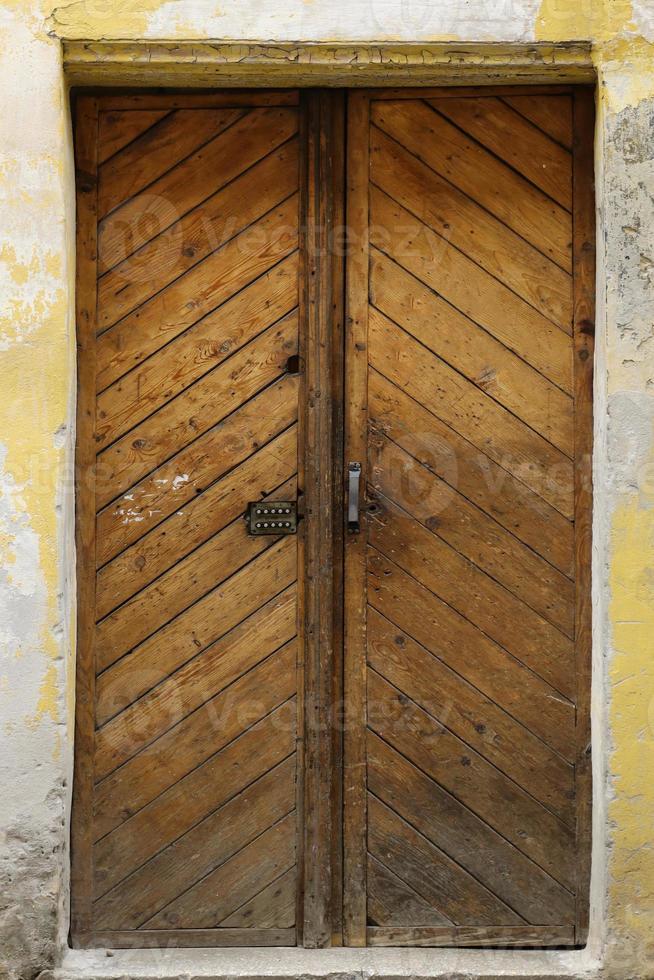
[{"x": 37, "y": 384}]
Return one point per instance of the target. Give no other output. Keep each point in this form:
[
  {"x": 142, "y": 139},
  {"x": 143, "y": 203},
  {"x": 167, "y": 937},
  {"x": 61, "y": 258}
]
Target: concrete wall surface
[{"x": 37, "y": 390}]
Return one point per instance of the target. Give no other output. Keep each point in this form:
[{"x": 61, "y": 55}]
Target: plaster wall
[{"x": 37, "y": 387}]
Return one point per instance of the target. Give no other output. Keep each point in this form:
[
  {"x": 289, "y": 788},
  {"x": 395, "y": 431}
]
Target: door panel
[
  {"x": 189, "y": 409},
  {"x": 467, "y": 398}
]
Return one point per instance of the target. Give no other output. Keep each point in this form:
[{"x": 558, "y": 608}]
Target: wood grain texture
[
  {"x": 190, "y": 663},
  {"x": 474, "y": 515}
]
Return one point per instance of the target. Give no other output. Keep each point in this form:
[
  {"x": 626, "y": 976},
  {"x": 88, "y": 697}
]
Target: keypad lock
[{"x": 272, "y": 517}]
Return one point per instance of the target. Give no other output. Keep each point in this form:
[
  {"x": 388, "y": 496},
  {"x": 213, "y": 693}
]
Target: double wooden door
[{"x": 374, "y": 309}]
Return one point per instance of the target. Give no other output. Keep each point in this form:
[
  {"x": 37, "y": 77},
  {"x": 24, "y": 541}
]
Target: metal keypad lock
[{"x": 272, "y": 517}]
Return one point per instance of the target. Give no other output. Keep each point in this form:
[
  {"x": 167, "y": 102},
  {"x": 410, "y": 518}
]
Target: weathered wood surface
[
  {"x": 190, "y": 385},
  {"x": 476, "y": 406}
]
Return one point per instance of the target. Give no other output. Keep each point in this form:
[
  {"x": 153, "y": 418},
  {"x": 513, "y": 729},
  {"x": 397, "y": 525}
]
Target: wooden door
[
  {"x": 468, "y": 406},
  {"x": 190, "y": 814}
]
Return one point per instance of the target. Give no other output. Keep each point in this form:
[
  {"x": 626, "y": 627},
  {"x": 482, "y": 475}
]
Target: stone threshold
[{"x": 326, "y": 964}]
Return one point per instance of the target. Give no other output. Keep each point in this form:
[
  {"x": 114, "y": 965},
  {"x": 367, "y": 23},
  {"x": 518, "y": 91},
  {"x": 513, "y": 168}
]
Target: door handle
[{"x": 354, "y": 475}]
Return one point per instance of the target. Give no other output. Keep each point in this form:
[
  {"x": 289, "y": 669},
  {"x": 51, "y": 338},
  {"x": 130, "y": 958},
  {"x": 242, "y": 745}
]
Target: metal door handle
[{"x": 354, "y": 475}]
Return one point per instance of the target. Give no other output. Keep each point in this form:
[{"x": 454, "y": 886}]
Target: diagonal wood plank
[
  {"x": 162, "y": 709},
  {"x": 475, "y": 353},
  {"x": 392, "y": 901},
  {"x": 470, "y": 228},
  {"x": 184, "y": 746},
  {"x": 184, "y": 531},
  {"x": 480, "y": 175},
  {"x": 172, "y": 368},
  {"x": 471, "y": 413},
  {"x": 198, "y": 794},
  {"x": 480, "y": 599},
  {"x": 175, "y": 193},
  {"x": 200, "y": 407},
  {"x": 438, "y": 879},
  {"x": 465, "y": 649},
  {"x": 213, "y": 281},
  {"x": 174, "y": 484},
  {"x": 159, "y": 149},
  {"x": 477, "y": 478},
  {"x": 471, "y": 533},
  {"x": 273, "y": 907},
  {"x": 462, "y": 795},
  {"x": 416, "y": 795},
  {"x": 513, "y": 139},
  {"x": 116, "y": 128},
  {"x": 470, "y": 289},
  {"x": 551, "y": 113},
  {"x": 234, "y": 882},
  {"x": 204, "y": 622},
  {"x": 194, "y": 855},
  {"x": 477, "y": 720},
  {"x": 172, "y": 700},
  {"x": 197, "y": 234}
]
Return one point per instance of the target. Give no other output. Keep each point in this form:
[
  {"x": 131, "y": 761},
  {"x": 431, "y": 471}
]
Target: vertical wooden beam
[
  {"x": 320, "y": 318},
  {"x": 584, "y": 333},
  {"x": 356, "y": 440},
  {"x": 86, "y": 144}
]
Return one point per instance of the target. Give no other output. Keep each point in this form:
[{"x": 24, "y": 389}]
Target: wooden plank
[
  {"x": 86, "y": 127},
  {"x": 216, "y": 279},
  {"x": 472, "y": 291},
  {"x": 317, "y": 304},
  {"x": 187, "y": 358},
  {"x": 483, "y": 482},
  {"x": 206, "y": 847},
  {"x": 513, "y": 139},
  {"x": 476, "y": 354},
  {"x": 151, "y": 99},
  {"x": 551, "y": 113},
  {"x": 177, "y": 589},
  {"x": 117, "y": 129},
  {"x": 177, "y": 749},
  {"x": 183, "y": 188},
  {"x": 469, "y": 411},
  {"x": 467, "y": 226},
  {"x": 477, "y": 173},
  {"x": 213, "y": 454},
  {"x": 200, "y": 625},
  {"x": 234, "y": 882},
  {"x": 220, "y": 504},
  {"x": 172, "y": 700},
  {"x": 473, "y": 535},
  {"x": 193, "y": 938},
  {"x": 438, "y": 879},
  {"x": 584, "y": 333},
  {"x": 504, "y": 937},
  {"x": 476, "y": 596},
  {"x": 200, "y": 407},
  {"x": 158, "y": 150},
  {"x": 394, "y": 93},
  {"x": 392, "y": 901},
  {"x": 469, "y": 652},
  {"x": 196, "y": 234},
  {"x": 522, "y": 853},
  {"x": 274, "y": 907},
  {"x": 478, "y": 722},
  {"x": 202, "y": 792},
  {"x": 356, "y": 425}
]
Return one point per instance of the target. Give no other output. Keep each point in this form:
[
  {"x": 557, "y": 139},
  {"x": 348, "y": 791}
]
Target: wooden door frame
[{"x": 354, "y": 755}]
